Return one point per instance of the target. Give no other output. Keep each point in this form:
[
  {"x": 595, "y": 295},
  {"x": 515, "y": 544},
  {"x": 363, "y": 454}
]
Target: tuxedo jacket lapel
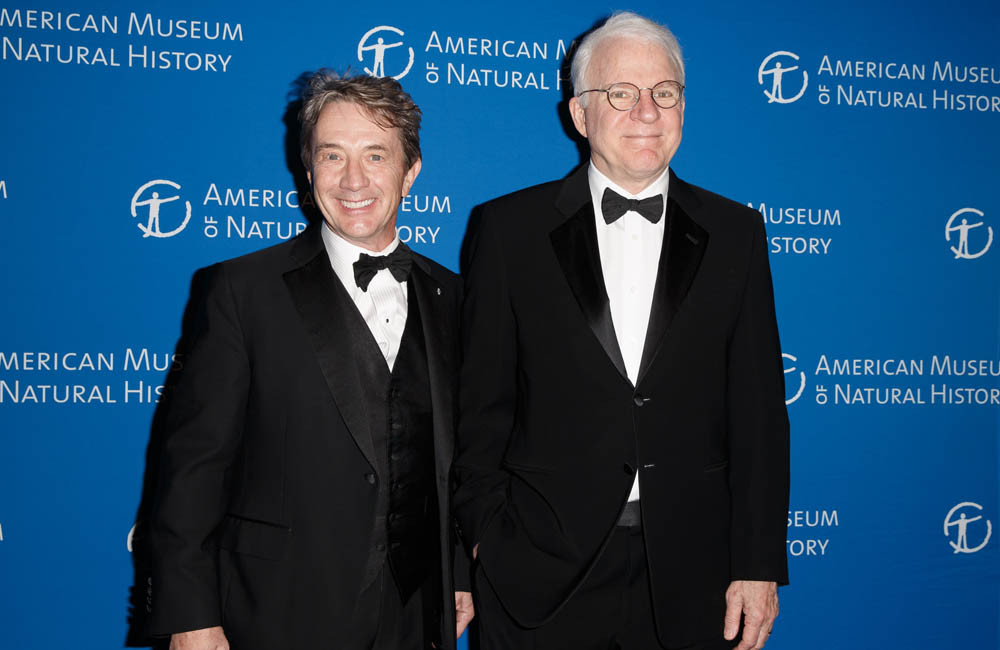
[
  {"x": 575, "y": 245},
  {"x": 684, "y": 244},
  {"x": 322, "y": 303},
  {"x": 434, "y": 317}
]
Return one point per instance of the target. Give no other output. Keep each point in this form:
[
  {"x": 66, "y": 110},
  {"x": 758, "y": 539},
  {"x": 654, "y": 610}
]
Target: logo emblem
[
  {"x": 802, "y": 378},
  {"x": 378, "y": 48},
  {"x": 959, "y": 520},
  {"x": 777, "y": 71},
  {"x": 963, "y": 228},
  {"x": 152, "y": 226}
]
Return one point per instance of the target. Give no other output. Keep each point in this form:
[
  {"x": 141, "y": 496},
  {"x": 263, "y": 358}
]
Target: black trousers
[
  {"x": 383, "y": 622},
  {"x": 612, "y": 609}
]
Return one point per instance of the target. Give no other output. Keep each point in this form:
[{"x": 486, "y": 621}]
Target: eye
[
  {"x": 377, "y": 157},
  {"x": 331, "y": 156},
  {"x": 619, "y": 93}
]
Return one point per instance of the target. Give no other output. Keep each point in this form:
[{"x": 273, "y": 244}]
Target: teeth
[{"x": 353, "y": 205}]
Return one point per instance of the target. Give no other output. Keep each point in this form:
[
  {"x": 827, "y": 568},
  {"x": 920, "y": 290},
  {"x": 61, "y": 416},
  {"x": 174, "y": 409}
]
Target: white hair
[{"x": 625, "y": 24}]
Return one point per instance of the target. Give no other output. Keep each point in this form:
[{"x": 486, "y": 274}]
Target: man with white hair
[{"x": 622, "y": 460}]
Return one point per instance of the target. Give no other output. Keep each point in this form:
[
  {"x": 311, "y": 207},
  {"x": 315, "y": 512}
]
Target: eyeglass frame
[{"x": 607, "y": 95}]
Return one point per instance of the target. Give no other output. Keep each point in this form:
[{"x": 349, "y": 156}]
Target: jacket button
[
  {"x": 380, "y": 547},
  {"x": 638, "y": 400},
  {"x": 370, "y": 478}
]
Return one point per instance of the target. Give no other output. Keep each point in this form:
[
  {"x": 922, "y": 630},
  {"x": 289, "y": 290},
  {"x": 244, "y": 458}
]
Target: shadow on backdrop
[
  {"x": 566, "y": 122},
  {"x": 293, "y": 157}
]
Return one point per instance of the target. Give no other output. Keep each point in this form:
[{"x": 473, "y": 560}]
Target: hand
[
  {"x": 464, "y": 611},
  {"x": 209, "y": 638},
  {"x": 757, "y": 601}
]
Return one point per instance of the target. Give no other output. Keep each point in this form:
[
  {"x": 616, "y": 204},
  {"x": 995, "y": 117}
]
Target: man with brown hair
[{"x": 303, "y": 498}]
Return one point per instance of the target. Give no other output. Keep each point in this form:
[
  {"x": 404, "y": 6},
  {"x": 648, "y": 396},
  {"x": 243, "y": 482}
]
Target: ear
[
  {"x": 411, "y": 176},
  {"x": 579, "y": 115},
  {"x": 309, "y": 176}
]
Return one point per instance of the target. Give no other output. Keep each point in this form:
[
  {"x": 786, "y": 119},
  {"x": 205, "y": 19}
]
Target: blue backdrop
[{"x": 142, "y": 141}]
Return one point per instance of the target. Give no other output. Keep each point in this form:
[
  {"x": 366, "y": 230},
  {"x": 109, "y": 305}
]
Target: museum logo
[
  {"x": 780, "y": 74},
  {"x": 958, "y": 232},
  {"x": 964, "y": 524},
  {"x": 155, "y": 217},
  {"x": 790, "y": 383},
  {"x": 383, "y": 43}
]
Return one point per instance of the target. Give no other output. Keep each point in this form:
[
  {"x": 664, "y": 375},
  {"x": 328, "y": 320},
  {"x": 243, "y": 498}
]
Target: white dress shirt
[
  {"x": 630, "y": 255},
  {"x": 384, "y": 305}
]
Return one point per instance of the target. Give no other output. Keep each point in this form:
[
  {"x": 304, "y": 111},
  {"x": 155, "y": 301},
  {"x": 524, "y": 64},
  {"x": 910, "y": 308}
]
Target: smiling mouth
[{"x": 354, "y": 205}]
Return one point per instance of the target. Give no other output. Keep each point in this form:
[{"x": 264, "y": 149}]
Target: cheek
[{"x": 323, "y": 178}]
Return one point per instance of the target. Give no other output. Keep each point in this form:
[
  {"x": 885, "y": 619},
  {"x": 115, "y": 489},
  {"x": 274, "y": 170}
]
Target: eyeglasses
[{"x": 624, "y": 95}]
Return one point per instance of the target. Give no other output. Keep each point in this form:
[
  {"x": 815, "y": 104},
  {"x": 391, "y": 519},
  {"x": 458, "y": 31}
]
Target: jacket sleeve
[
  {"x": 487, "y": 387},
  {"x": 203, "y": 424},
  {"x": 758, "y": 429}
]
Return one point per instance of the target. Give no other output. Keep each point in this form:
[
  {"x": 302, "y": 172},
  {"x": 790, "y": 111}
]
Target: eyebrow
[{"x": 334, "y": 145}]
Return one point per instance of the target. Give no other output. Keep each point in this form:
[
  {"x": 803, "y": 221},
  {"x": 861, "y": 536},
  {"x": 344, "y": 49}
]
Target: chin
[{"x": 647, "y": 172}]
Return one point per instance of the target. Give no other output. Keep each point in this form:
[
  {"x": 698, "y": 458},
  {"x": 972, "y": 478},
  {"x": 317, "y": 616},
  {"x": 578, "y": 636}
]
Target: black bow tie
[
  {"x": 398, "y": 262},
  {"x": 614, "y": 205}
]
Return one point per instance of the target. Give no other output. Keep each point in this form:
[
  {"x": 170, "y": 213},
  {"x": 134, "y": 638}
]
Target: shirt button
[
  {"x": 380, "y": 547},
  {"x": 370, "y": 478}
]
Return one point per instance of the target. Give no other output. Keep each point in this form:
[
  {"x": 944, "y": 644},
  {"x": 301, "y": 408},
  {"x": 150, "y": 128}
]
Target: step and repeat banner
[{"x": 142, "y": 141}]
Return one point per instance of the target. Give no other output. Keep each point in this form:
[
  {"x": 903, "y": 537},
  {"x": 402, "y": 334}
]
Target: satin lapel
[
  {"x": 575, "y": 245},
  {"x": 437, "y": 318},
  {"x": 322, "y": 303},
  {"x": 684, "y": 244}
]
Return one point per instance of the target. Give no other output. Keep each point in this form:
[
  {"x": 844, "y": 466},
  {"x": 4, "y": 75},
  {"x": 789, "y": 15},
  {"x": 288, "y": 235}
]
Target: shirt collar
[
  {"x": 599, "y": 182},
  {"x": 343, "y": 254}
]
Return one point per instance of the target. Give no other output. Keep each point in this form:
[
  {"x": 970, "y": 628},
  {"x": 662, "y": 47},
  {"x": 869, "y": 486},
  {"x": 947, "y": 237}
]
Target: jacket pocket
[
  {"x": 516, "y": 467},
  {"x": 251, "y": 537},
  {"x": 715, "y": 467}
]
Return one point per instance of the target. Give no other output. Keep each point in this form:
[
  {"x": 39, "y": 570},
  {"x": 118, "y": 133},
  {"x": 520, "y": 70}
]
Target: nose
[
  {"x": 646, "y": 110},
  {"x": 354, "y": 177}
]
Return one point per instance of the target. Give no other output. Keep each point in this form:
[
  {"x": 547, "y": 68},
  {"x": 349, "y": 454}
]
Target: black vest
[{"x": 400, "y": 416}]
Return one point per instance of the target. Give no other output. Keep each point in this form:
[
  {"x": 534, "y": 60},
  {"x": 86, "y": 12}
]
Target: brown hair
[{"x": 382, "y": 97}]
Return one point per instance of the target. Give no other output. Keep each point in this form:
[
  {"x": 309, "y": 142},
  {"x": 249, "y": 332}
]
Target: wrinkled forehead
[
  {"x": 344, "y": 121},
  {"x": 348, "y": 111},
  {"x": 635, "y": 60}
]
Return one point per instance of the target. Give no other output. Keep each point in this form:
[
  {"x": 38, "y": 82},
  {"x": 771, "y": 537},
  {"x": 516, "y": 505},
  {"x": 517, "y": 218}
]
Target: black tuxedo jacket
[
  {"x": 267, "y": 489},
  {"x": 552, "y": 431}
]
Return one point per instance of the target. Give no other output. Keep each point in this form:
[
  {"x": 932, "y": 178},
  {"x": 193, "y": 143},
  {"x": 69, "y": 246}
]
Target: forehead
[
  {"x": 348, "y": 120},
  {"x": 641, "y": 62}
]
